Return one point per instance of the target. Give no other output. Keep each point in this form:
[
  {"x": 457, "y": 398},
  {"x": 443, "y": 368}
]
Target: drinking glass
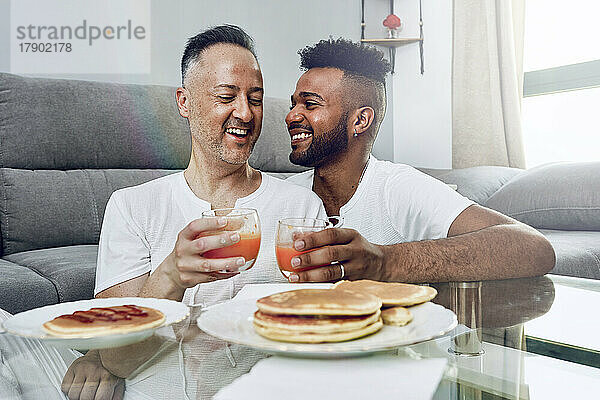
[
  {"x": 245, "y": 221},
  {"x": 284, "y": 242}
]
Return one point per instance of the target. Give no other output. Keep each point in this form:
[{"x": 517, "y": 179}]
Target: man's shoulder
[
  {"x": 304, "y": 179},
  {"x": 396, "y": 179},
  {"x": 153, "y": 188},
  {"x": 392, "y": 173},
  {"x": 392, "y": 168}
]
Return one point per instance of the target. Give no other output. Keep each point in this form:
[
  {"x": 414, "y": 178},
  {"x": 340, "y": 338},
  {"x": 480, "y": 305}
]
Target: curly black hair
[{"x": 350, "y": 57}]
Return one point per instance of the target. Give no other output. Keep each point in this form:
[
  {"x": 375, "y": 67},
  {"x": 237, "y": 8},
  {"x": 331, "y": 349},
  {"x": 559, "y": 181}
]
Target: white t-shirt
[
  {"x": 395, "y": 203},
  {"x": 141, "y": 225}
]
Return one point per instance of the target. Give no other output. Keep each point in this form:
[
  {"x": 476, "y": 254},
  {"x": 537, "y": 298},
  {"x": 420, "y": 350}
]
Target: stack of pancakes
[
  {"x": 394, "y": 297},
  {"x": 317, "y": 315}
]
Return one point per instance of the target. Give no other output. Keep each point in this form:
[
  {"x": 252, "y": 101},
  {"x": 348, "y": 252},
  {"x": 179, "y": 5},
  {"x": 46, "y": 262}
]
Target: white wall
[
  {"x": 418, "y": 126},
  {"x": 422, "y": 105}
]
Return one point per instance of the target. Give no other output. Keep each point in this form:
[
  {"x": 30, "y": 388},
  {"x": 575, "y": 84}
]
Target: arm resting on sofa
[{"x": 482, "y": 244}]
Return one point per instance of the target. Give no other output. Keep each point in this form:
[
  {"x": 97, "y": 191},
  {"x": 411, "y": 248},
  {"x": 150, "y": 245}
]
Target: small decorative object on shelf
[{"x": 392, "y": 23}]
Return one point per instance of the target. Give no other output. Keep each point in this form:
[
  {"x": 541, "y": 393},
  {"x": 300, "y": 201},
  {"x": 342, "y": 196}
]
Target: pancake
[
  {"x": 391, "y": 293},
  {"x": 398, "y": 316},
  {"x": 284, "y": 335},
  {"x": 314, "y": 324},
  {"x": 104, "y": 321},
  {"x": 319, "y": 302}
]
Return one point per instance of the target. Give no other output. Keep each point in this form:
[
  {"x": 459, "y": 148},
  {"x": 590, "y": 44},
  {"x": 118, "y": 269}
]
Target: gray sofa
[
  {"x": 561, "y": 200},
  {"x": 66, "y": 145}
]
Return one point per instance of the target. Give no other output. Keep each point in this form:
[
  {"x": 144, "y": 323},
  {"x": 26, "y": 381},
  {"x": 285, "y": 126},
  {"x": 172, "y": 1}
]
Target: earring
[{"x": 355, "y": 133}]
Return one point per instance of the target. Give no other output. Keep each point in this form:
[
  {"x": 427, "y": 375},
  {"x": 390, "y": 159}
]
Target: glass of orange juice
[
  {"x": 284, "y": 242},
  {"x": 245, "y": 221}
]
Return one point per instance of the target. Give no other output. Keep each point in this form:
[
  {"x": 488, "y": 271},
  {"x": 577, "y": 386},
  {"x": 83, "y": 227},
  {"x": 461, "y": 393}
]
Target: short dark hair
[
  {"x": 352, "y": 58},
  {"x": 364, "y": 71},
  {"x": 214, "y": 35}
]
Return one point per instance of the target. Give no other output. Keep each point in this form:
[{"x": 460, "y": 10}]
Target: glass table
[
  {"x": 529, "y": 338},
  {"x": 532, "y": 338}
]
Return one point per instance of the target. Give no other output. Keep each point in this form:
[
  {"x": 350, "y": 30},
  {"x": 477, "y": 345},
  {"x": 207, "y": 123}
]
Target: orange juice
[
  {"x": 284, "y": 259},
  {"x": 247, "y": 247}
]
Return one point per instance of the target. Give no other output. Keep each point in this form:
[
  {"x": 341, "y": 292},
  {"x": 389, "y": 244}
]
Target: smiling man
[
  {"x": 152, "y": 242},
  {"x": 400, "y": 224}
]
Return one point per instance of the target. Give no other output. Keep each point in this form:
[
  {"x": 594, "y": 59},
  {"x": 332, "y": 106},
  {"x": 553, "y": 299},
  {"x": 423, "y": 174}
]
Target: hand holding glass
[
  {"x": 246, "y": 223},
  {"x": 284, "y": 244}
]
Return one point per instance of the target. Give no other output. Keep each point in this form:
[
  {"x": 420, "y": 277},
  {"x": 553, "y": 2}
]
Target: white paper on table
[
  {"x": 373, "y": 377},
  {"x": 258, "y": 290}
]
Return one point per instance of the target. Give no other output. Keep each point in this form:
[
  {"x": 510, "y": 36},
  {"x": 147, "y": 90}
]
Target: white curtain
[{"x": 487, "y": 82}]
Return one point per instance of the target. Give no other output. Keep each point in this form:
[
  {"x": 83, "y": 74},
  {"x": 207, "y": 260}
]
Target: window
[{"x": 561, "y": 117}]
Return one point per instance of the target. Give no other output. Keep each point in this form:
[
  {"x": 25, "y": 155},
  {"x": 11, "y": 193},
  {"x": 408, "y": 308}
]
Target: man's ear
[
  {"x": 362, "y": 119},
  {"x": 183, "y": 102}
]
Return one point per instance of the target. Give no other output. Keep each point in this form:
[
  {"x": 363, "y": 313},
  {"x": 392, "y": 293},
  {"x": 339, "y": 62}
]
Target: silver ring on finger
[{"x": 342, "y": 270}]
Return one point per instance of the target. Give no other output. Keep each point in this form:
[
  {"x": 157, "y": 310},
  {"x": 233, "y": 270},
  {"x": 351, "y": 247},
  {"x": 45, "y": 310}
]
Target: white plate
[
  {"x": 29, "y": 323},
  {"x": 232, "y": 321}
]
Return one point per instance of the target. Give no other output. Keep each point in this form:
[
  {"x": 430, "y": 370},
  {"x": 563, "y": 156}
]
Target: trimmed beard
[{"x": 324, "y": 146}]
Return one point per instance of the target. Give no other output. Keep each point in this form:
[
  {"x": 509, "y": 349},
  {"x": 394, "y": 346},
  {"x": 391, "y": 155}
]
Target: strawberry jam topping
[{"x": 106, "y": 314}]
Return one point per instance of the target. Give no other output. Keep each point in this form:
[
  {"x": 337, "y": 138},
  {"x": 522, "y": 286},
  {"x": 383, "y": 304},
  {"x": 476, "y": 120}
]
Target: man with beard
[
  {"x": 400, "y": 224},
  {"x": 154, "y": 230},
  {"x": 153, "y": 239}
]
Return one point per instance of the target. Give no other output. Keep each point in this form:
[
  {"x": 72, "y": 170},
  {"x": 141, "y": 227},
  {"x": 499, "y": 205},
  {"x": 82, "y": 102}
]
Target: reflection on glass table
[
  {"x": 501, "y": 323},
  {"x": 489, "y": 355}
]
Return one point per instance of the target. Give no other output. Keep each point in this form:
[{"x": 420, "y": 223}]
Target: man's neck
[
  {"x": 337, "y": 181},
  {"x": 220, "y": 184}
]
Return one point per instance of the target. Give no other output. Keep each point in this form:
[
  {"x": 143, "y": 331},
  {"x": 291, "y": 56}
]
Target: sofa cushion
[
  {"x": 22, "y": 289},
  {"x": 41, "y": 209},
  {"x": 563, "y": 196},
  {"x": 577, "y": 252},
  {"x": 71, "y": 269},
  {"x": 476, "y": 183},
  {"x": 72, "y": 124}
]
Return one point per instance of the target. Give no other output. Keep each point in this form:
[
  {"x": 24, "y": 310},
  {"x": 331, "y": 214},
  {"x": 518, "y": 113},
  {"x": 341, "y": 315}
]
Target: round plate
[
  {"x": 29, "y": 323},
  {"x": 232, "y": 321}
]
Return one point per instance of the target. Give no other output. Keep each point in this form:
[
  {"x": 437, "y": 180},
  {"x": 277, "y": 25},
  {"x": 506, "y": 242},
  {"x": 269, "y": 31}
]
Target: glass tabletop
[
  {"x": 526, "y": 338},
  {"x": 532, "y": 338}
]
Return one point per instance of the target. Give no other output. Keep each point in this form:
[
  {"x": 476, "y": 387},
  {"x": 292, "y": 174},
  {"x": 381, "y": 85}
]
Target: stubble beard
[
  {"x": 234, "y": 157},
  {"x": 214, "y": 145},
  {"x": 324, "y": 147}
]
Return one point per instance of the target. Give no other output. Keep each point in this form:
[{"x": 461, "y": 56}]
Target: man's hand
[
  {"x": 87, "y": 379},
  {"x": 360, "y": 258},
  {"x": 186, "y": 267}
]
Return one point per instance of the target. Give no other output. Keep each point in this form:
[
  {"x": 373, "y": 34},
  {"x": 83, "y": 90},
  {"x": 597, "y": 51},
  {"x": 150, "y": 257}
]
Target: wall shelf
[
  {"x": 392, "y": 43},
  {"x": 396, "y": 42}
]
